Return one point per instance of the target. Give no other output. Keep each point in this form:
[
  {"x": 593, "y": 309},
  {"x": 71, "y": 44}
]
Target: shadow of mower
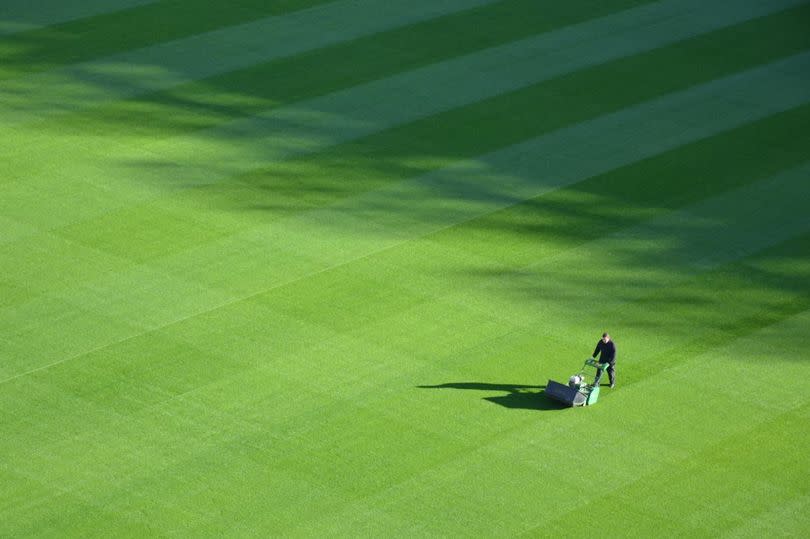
[{"x": 524, "y": 397}]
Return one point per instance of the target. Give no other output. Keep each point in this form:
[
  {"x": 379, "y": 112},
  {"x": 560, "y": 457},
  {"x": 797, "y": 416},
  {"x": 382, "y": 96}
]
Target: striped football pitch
[{"x": 303, "y": 268}]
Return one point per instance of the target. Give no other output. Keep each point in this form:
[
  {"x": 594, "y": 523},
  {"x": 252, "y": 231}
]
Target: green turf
[
  {"x": 275, "y": 268},
  {"x": 139, "y": 26}
]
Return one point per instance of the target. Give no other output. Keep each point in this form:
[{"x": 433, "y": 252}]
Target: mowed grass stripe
[
  {"x": 154, "y": 175},
  {"x": 21, "y": 15},
  {"x": 164, "y": 65},
  {"x": 134, "y": 25},
  {"x": 212, "y": 100},
  {"x": 322, "y": 239}
]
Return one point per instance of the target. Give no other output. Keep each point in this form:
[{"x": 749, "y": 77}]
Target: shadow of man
[{"x": 519, "y": 396}]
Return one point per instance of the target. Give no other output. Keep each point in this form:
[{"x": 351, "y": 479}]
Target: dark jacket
[{"x": 608, "y": 351}]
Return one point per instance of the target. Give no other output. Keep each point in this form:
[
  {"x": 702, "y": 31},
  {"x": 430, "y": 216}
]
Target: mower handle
[{"x": 591, "y": 362}]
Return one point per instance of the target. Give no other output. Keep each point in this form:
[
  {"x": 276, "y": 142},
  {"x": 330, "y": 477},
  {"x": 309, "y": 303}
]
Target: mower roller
[{"x": 577, "y": 392}]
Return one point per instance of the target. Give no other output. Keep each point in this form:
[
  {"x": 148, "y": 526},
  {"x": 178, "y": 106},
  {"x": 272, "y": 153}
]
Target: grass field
[{"x": 304, "y": 267}]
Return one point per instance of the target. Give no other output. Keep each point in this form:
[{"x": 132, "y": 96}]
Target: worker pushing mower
[{"x": 578, "y": 392}]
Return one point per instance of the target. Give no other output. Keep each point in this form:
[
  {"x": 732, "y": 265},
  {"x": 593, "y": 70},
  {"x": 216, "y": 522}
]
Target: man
[{"x": 606, "y": 350}]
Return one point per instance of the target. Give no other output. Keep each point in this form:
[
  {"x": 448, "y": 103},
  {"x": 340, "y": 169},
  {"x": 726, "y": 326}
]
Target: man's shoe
[{"x": 612, "y": 386}]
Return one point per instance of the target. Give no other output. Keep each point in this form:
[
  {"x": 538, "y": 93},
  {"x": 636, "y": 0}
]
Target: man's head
[{"x": 605, "y": 337}]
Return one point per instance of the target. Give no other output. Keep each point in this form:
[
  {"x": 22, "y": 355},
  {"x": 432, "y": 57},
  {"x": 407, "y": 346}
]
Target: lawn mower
[{"x": 577, "y": 392}]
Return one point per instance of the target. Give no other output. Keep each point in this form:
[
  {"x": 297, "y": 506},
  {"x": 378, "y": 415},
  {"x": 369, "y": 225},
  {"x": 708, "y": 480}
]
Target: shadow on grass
[
  {"x": 517, "y": 396},
  {"x": 91, "y": 35}
]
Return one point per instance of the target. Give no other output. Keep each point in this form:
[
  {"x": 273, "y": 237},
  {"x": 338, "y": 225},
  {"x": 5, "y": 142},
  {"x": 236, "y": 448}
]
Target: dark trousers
[{"x": 611, "y": 370}]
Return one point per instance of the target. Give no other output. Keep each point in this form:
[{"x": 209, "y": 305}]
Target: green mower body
[{"x": 576, "y": 393}]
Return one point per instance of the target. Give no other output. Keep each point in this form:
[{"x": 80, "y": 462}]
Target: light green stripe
[
  {"x": 21, "y": 15},
  {"x": 168, "y": 64}
]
